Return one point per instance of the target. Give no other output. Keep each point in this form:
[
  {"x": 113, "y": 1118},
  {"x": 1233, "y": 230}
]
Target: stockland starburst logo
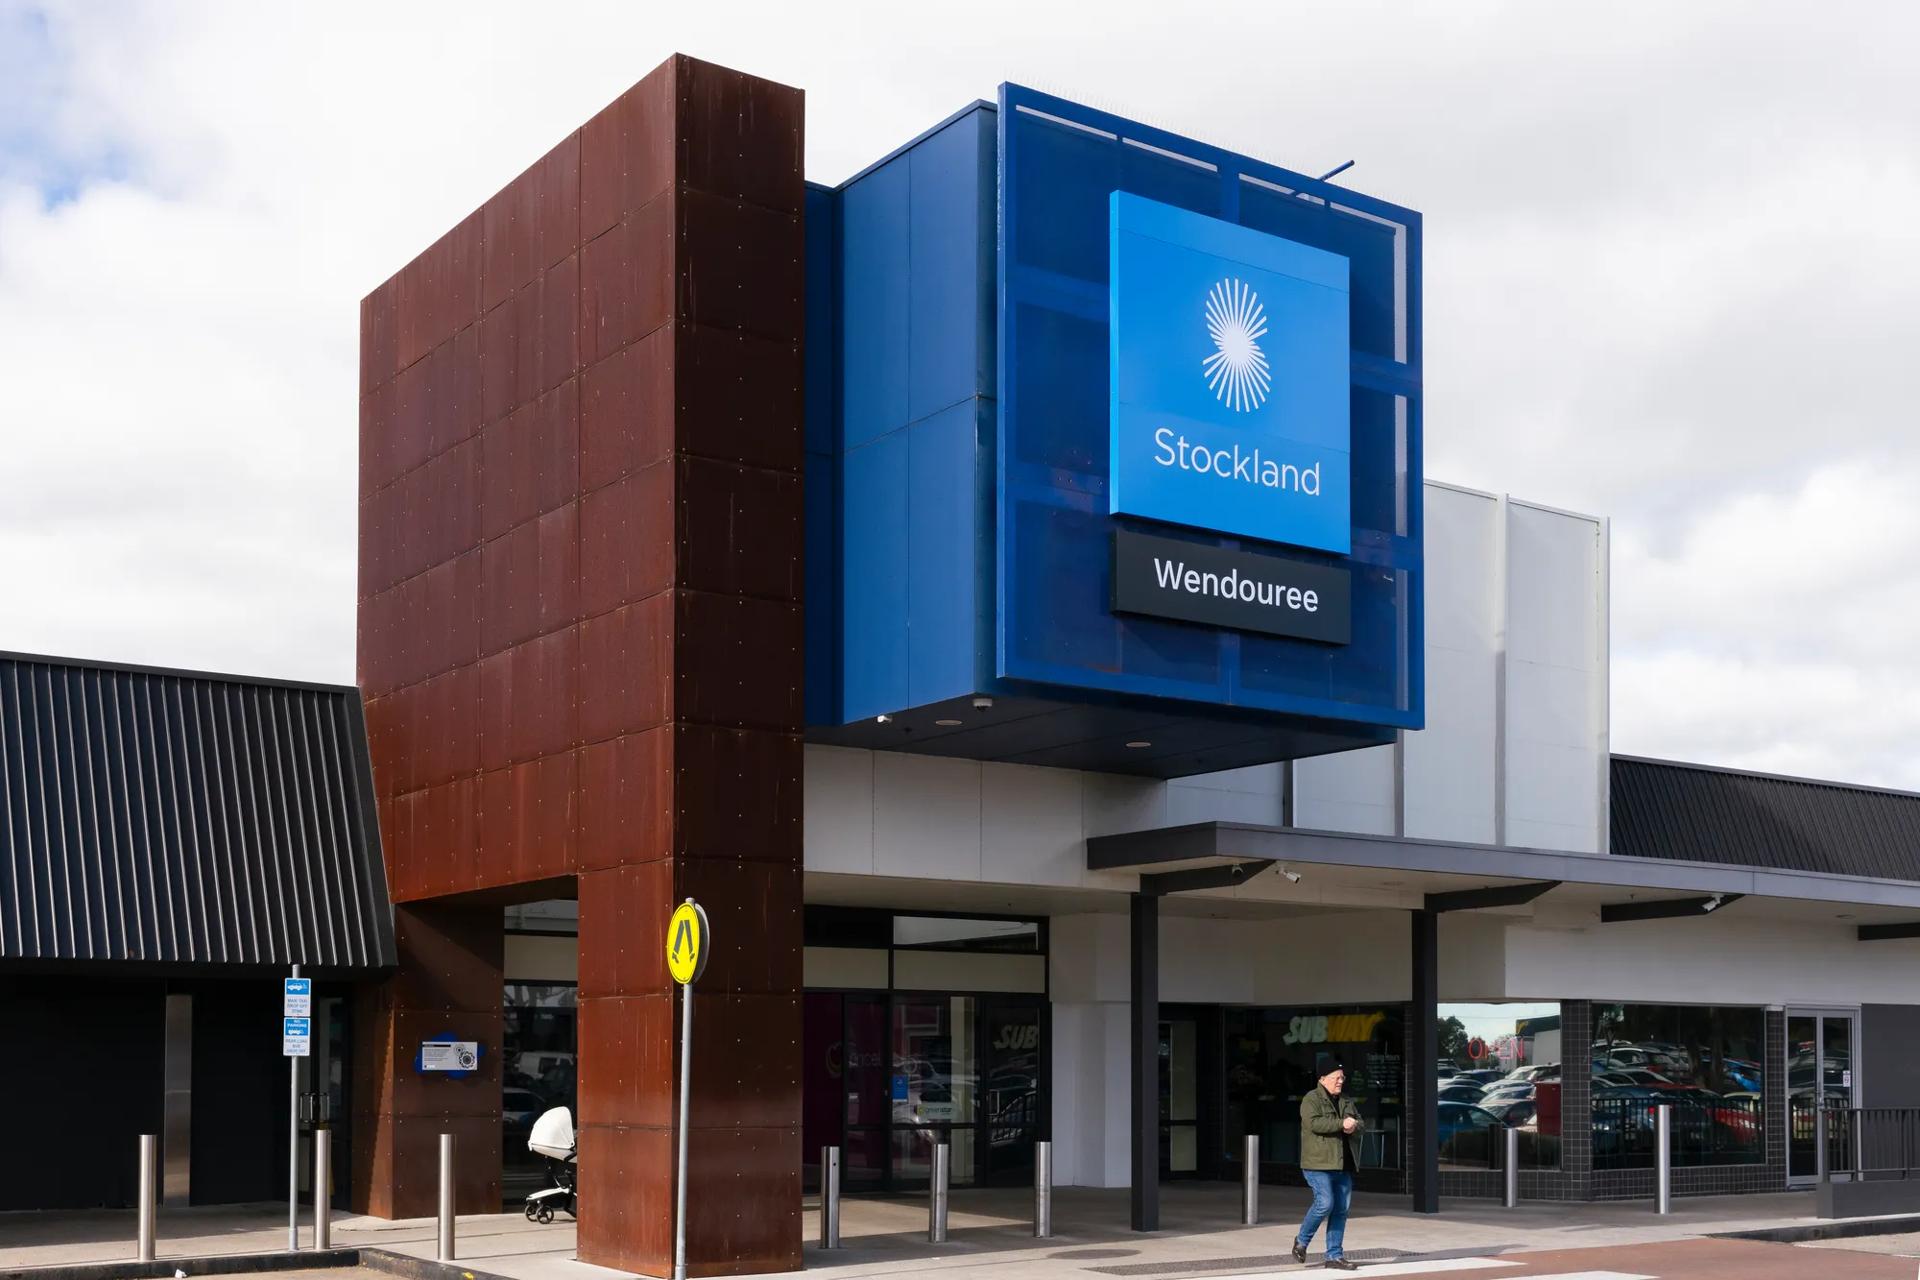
[{"x": 1237, "y": 371}]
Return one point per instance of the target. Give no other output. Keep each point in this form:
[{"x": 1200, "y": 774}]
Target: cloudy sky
[{"x": 1673, "y": 274}]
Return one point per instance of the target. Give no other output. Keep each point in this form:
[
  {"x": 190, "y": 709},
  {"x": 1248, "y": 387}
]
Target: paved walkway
[{"x": 989, "y": 1233}]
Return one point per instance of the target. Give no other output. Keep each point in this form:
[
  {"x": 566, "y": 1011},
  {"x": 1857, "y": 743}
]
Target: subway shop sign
[{"x": 1229, "y": 378}]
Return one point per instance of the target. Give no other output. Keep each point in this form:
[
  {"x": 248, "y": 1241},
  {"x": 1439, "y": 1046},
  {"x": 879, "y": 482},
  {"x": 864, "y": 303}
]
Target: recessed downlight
[
  {"x": 1138, "y": 743},
  {"x": 946, "y": 724}
]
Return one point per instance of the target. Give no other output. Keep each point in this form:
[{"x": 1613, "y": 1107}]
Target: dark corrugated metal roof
[
  {"x": 1696, "y": 813},
  {"x": 169, "y": 817}
]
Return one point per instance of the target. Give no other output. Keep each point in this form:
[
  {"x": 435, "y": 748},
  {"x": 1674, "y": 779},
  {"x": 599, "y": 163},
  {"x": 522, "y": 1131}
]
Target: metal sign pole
[
  {"x": 686, "y": 1084},
  {"x": 687, "y": 953},
  {"x": 293, "y": 1148}
]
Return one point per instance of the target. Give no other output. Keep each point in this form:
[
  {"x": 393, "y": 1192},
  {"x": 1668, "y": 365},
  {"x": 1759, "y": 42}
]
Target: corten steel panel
[
  {"x": 626, "y": 793},
  {"x": 736, "y": 660},
  {"x": 627, "y": 151},
  {"x": 530, "y": 580},
  {"x": 627, "y": 280},
  {"x": 740, "y": 137},
  {"x": 732, "y": 410},
  {"x": 627, "y": 409},
  {"x": 740, "y": 529},
  {"x": 449, "y": 982},
  {"x": 626, "y": 1050},
  {"x": 530, "y": 460},
  {"x": 626, "y": 540},
  {"x": 530, "y": 343},
  {"x": 528, "y": 819},
  {"x": 746, "y": 1047},
  {"x": 527, "y": 699},
  {"x": 621, "y": 908},
  {"x": 739, "y": 793},
  {"x": 625, "y": 744},
  {"x": 752, "y": 274},
  {"x": 625, "y": 672},
  {"x": 532, "y": 224}
]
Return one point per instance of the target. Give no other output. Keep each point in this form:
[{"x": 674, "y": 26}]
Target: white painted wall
[{"x": 1721, "y": 959}]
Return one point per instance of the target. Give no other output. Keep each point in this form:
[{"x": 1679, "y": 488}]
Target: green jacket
[{"x": 1320, "y": 1136}]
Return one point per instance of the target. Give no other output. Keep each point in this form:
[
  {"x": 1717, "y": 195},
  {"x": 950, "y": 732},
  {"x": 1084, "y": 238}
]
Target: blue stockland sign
[{"x": 1230, "y": 378}]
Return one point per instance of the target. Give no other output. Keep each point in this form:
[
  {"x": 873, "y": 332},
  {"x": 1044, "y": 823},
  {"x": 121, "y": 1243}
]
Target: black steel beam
[
  {"x": 1500, "y": 895},
  {"x": 1144, "y": 1202},
  {"x": 1666, "y": 909},
  {"x": 1887, "y": 932},
  {"x": 1164, "y": 882},
  {"x": 1423, "y": 1055}
]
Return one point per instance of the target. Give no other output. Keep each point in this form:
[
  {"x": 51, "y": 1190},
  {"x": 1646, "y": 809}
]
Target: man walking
[{"x": 1330, "y": 1128}]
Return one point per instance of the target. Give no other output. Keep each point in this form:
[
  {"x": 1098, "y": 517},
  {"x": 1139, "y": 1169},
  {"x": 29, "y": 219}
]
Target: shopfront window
[
  {"x": 539, "y": 1071},
  {"x": 1703, "y": 1062},
  {"x": 1273, "y": 1057},
  {"x": 1499, "y": 1069}
]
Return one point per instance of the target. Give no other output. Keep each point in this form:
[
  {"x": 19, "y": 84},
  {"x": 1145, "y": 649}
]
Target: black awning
[
  {"x": 1698, "y": 813},
  {"x": 172, "y": 817}
]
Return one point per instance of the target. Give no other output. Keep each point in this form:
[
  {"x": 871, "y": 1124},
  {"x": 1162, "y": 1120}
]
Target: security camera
[
  {"x": 1293, "y": 876},
  {"x": 1239, "y": 872},
  {"x": 1713, "y": 903}
]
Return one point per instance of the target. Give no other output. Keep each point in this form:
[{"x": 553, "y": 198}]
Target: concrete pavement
[{"x": 988, "y": 1229}]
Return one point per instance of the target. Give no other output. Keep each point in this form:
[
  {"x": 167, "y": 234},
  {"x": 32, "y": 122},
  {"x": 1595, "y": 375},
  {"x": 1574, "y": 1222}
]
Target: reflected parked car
[{"x": 1461, "y": 1091}]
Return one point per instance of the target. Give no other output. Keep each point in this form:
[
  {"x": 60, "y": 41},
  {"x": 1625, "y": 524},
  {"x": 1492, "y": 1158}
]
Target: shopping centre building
[{"x": 1003, "y": 588}]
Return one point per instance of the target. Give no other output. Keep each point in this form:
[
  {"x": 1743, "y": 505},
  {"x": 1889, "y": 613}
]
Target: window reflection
[
  {"x": 1499, "y": 1069},
  {"x": 1703, "y": 1062},
  {"x": 1272, "y": 1056}
]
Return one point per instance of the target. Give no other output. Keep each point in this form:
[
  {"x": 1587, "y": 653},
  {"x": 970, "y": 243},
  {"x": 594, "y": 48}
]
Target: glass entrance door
[
  {"x": 1820, "y": 1058},
  {"x": 1179, "y": 1098}
]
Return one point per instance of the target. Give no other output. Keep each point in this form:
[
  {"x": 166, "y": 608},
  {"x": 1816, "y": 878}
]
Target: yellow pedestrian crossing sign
[{"x": 687, "y": 943}]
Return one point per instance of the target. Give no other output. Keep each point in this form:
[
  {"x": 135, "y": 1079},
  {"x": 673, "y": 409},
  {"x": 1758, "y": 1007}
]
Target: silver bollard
[
  {"x": 322, "y": 1187},
  {"x": 1663, "y": 1158},
  {"x": 149, "y": 1191},
  {"x": 1510, "y": 1190},
  {"x": 445, "y": 1253},
  {"x": 829, "y": 1197},
  {"x": 1250, "y": 1180},
  {"x": 937, "y": 1196},
  {"x": 1043, "y": 1190}
]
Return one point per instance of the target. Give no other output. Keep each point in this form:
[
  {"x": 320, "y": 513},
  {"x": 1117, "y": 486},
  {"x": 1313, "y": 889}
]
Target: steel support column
[
  {"x": 1145, "y": 1058},
  {"x": 1423, "y": 1053}
]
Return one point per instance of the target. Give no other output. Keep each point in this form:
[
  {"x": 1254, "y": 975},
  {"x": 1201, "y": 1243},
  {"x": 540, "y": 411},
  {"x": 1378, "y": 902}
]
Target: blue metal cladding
[
  {"x": 913, "y": 423},
  {"x": 1059, "y": 165}
]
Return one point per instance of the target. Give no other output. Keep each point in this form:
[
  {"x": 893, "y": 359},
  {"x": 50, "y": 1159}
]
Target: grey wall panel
[
  {"x": 1889, "y": 1050},
  {"x": 171, "y": 817}
]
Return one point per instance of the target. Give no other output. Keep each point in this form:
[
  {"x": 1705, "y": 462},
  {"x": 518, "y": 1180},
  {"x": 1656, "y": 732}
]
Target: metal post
[
  {"x": 1250, "y": 1180},
  {"x": 829, "y": 1197},
  {"x": 937, "y": 1199},
  {"x": 1043, "y": 1190},
  {"x": 1663, "y": 1158},
  {"x": 149, "y": 1190},
  {"x": 686, "y": 1087},
  {"x": 445, "y": 1251},
  {"x": 322, "y": 1186},
  {"x": 1510, "y": 1191},
  {"x": 293, "y": 1148}
]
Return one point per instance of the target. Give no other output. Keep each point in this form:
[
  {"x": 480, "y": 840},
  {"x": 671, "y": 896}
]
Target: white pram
[{"x": 552, "y": 1137}]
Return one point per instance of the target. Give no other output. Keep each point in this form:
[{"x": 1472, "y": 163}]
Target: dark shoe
[
  {"x": 1340, "y": 1264},
  {"x": 1299, "y": 1253}
]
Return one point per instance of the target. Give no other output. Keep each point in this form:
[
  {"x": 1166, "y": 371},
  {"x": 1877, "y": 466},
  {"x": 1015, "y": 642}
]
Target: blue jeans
[{"x": 1332, "y": 1193}]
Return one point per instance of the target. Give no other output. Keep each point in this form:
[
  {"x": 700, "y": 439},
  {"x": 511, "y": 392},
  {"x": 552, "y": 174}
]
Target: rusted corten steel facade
[{"x": 580, "y": 638}]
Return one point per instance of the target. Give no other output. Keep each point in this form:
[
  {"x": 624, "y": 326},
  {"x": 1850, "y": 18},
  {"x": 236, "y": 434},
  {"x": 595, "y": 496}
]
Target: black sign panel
[{"x": 1243, "y": 590}]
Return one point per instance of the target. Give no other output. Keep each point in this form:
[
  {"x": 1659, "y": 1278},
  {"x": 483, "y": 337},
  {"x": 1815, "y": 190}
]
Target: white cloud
[{"x": 1670, "y": 276}]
